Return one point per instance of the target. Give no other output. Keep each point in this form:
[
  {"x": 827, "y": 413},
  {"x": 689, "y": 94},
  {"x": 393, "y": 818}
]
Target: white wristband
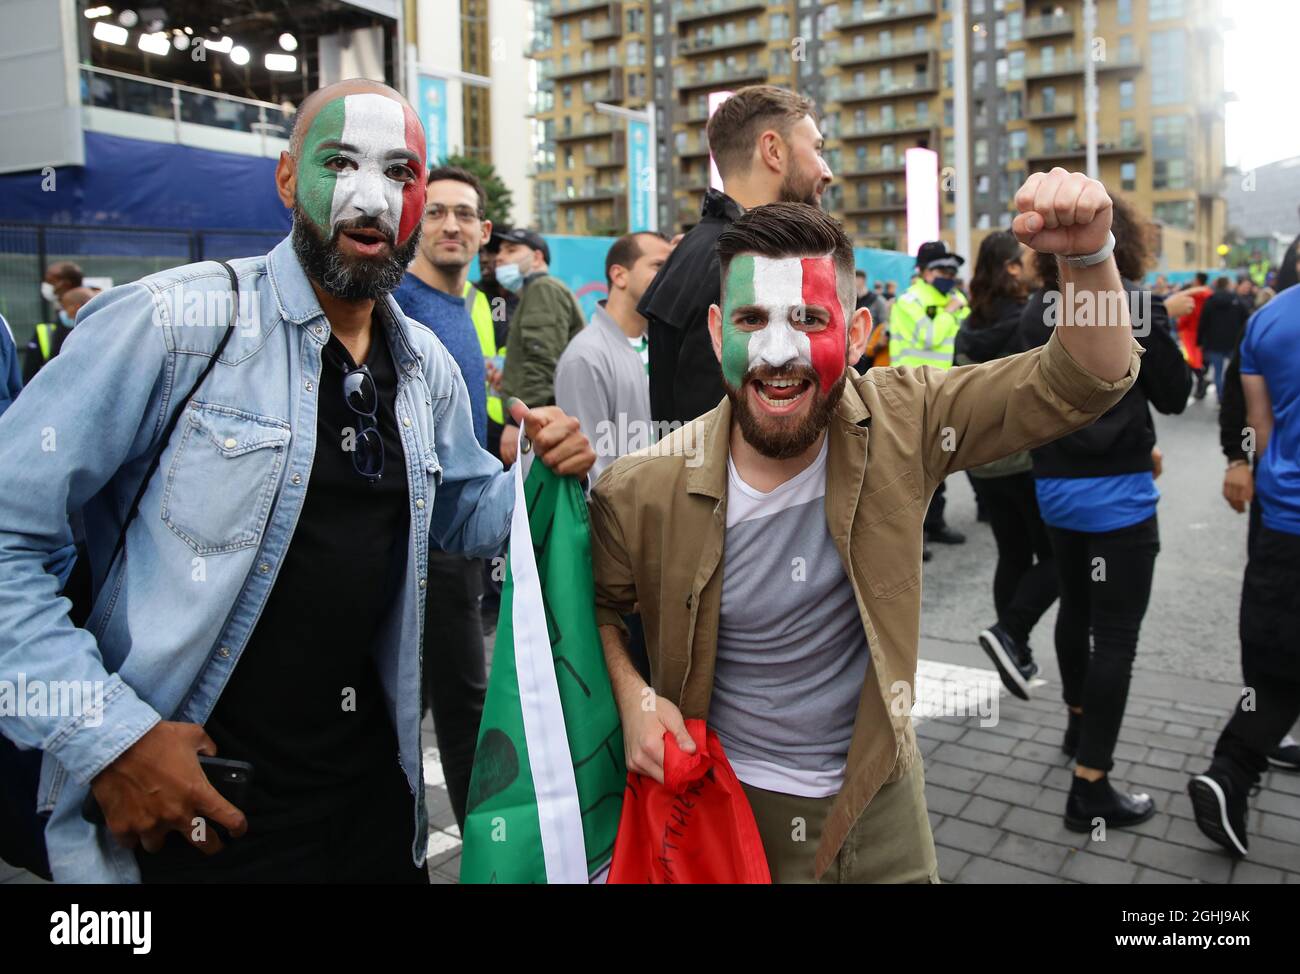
[{"x": 1089, "y": 260}]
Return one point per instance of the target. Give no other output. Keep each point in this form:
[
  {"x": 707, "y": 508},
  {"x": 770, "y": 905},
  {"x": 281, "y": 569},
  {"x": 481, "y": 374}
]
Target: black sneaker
[
  {"x": 1220, "y": 810},
  {"x": 1202, "y": 383},
  {"x": 1092, "y": 800},
  {"x": 1071, "y": 742},
  {"x": 1013, "y": 660},
  {"x": 1286, "y": 755},
  {"x": 944, "y": 535}
]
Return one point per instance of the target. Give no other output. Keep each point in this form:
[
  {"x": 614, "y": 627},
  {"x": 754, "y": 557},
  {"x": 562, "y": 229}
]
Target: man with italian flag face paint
[
  {"x": 783, "y": 336},
  {"x": 773, "y": 546}
]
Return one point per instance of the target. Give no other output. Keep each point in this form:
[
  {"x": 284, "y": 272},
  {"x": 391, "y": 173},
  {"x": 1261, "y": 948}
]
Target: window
[
  {"x": 947, "y": 111},
  {"x": 1164, "y": 9},
  {"x": 1049, "y": 138},
  {"x": 1015, "y": 25},
  {"x": 980, "y": 74},
  {"x": 1127, "y": 52},
  {"x": 1126, "y": 91},
  {"x": 1127, "y": 131},
  {"x": 949, "y": 150},
  {"x": 1016, "y": 65},
  {"x": 983, "y": 222},
  {"x": 1176, "y": 213},
  {"x": 982, "y": 185},
  {"x": 1128, "y": 176},
  {"x": 635, "y": 21},
  {"x": 1169, "y": 149},
  {"x": 947, "y": 35},
  {"x": 1168, "y": 60},
  {"x": 981, "y": 112},
  {"x": 779, "y": 26},
  {"x": 1000, "y": 33},
  {"x": 564, "y": 33},
  {"x": 1001, "y": 69},
  {"x": 981, "y": 151},
  {"x": 1019, "y": 140},
  {"x": 1124, "y": 13},
  {"x": 947, "y": 73},
  {"x": 979, "y": 37},
  {"x": 1015, "y": 105},
  {"x": 922, "y": 110}
]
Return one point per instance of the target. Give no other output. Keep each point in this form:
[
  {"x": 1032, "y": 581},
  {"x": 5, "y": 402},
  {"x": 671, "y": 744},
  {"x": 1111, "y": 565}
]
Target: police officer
[{"x": 923, "y": 326}]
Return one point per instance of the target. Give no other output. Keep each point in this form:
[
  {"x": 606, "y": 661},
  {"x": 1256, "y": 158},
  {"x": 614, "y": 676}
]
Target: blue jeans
[{"x": 1218, "y": 361}]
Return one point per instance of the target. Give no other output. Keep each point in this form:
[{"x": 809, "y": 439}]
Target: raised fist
[{"x": 1061, "y": 212}]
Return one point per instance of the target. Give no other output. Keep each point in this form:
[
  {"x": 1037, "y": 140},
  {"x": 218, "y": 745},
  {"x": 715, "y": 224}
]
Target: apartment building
[{"x": 881, "y": 72}]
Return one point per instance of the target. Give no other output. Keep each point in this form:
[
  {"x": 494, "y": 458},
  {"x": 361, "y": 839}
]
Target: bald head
[
  {"x": 73, "y": 299},
  {"x": 312, "y": 104}
]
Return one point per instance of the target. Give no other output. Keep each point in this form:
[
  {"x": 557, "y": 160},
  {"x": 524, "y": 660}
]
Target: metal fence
[{"x": 123, "y": 254}]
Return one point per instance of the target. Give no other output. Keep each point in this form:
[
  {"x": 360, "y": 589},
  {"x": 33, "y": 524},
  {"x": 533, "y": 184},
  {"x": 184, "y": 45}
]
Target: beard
[
  {"x": 783, "y": 437},
  {"x": 349, "y": 278},
  {"x": 799, "y": 189}
]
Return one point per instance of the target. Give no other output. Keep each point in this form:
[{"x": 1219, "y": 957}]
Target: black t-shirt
[{"x": 288, "y": 708}]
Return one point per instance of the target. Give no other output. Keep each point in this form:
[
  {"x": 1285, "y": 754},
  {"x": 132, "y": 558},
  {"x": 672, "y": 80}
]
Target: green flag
[{"x": 547, "y": 786}]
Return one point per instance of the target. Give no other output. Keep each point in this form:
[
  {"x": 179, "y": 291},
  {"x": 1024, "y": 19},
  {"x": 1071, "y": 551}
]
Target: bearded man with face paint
[
  {"x": 773, "y": 546},
  {"x": 268, "y": 603}
]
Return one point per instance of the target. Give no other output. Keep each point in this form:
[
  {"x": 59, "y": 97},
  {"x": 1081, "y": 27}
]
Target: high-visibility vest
[
  {"x": 917, "y": 337},
  {"x": 480, "y": 310},
  {"x": 45, "y": 334},
  {"x": 1258, "y": 271}
]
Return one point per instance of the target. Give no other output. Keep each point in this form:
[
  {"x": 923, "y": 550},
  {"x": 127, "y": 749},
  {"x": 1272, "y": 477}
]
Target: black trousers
[
  {"x": 365, "y": 837},
  {"x": 1269, "y": 625},
  {"x": 455, "y": 670},
  {"x": 934, "y": 513},
  {"x": 1024, "y": 583},
  {"x": 1105, "y": 584}
]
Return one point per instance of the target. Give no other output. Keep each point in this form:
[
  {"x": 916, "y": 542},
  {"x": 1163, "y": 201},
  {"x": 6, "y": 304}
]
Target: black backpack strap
[{"x": 176, "y": 415}]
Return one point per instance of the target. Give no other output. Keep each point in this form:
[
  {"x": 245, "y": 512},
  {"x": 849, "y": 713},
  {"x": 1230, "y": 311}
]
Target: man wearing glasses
[
  {"x": 268, "y": 602},
  {"x": 923, "y": 326},
  {"x": 433, "y": 294}
]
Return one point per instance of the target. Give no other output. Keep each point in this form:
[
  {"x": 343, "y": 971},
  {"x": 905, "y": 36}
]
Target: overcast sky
[{"x": 1261, "y": 55}]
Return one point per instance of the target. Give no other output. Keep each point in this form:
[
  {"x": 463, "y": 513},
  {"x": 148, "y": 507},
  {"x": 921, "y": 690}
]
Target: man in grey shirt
[{"x": 602, "y": 378}]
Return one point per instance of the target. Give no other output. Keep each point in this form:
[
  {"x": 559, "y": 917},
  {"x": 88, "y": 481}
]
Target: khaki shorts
[{"x": 890, "y": 842}]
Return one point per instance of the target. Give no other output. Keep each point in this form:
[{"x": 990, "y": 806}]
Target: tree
[{"x": 499, "y": 199}]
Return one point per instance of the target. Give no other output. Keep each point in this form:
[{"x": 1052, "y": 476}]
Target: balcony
[
  {"x": 882, "y": 203},
  {"x": 688, "y": 11},
  {"x": 1042, "y": 109},
  {"x": 866, "y": 91},
  {"x": 590, "y": 129},
  {"x": 1072, "y": 63},
  {"x": 539, "y": 46},
  {"x": 1048, "y": 25},
  {"x": 866, "y": 53},
  {"x": 613, "y": 156},
  {"x": 688, "y": 81},
  {"x": 695, "y": 114},
  {"x": 608, "y": 29},
  {"x": 881, "y": 13},
  {"x": 719, "y": 40},
  {"x": 565, "y": 8},
  {"x": 879, "y": 166},
  {"x": 692, "y": 148},
  {"x": 1047, "y": 151},
  {"x": 123, "y": 104},
  {"x": 593, "y": 194},
  {"x": 893, "y": 126},
  {"x": 593, "y": 66}
]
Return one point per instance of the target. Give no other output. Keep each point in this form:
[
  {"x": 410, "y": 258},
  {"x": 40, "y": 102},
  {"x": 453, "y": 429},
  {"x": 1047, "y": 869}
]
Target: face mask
[
  {"x": 944, "y": 284},
  {"x": 64, "y": 320},
  {"x": 780, "y": 287},
  {"x": 47, "y": 291},
  {"x": 347, "y": 169},
  {"x": 510, "y": 277}
]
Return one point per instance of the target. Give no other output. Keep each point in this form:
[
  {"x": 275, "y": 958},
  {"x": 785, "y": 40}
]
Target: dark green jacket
[{"x": 546, "y": 319}]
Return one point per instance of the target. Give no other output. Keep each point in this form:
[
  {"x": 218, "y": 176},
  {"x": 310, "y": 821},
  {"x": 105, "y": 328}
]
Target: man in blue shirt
[
  {"x": 1270, "y": 592},
  {"x": 433, "y": 294}
]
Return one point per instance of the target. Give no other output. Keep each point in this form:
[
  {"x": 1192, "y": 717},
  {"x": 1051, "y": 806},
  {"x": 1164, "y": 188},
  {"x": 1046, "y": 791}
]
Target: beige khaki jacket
[{"x": 659, "y": 523}]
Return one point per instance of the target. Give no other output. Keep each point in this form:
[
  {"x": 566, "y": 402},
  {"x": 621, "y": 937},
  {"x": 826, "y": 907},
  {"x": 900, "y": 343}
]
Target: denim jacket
[{"x": 171, "y": 619}]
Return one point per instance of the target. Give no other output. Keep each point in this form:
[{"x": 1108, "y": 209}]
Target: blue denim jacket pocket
[{"x": 223, "y": 476}]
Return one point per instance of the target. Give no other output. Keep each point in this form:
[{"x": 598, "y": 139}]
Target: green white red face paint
[
  {"x": 351, "y": 165},
  {"x": 782, "y": 290}
]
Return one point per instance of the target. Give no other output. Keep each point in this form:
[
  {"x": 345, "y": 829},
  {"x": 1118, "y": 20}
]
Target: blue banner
[
  {"x": 433, "y": 114},
  {"x": 641, "y": 193}
]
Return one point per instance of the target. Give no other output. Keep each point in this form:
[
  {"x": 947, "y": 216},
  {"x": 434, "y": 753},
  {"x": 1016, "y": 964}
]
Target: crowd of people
[{"x": 804, "y": 421}]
